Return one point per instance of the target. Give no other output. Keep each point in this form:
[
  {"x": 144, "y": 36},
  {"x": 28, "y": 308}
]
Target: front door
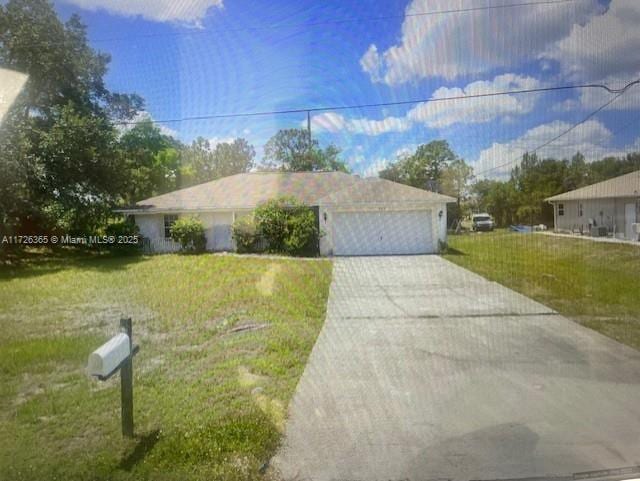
[{"x": 630, "y": 219}]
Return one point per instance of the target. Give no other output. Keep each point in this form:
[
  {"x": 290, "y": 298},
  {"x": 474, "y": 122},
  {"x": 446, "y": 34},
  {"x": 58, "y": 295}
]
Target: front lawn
[
  {"x": 224, "y": 340},
  {"x": 595, "y": 284}
]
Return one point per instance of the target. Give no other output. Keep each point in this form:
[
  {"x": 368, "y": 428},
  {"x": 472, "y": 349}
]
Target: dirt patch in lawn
[{"x": 266, "y": 284}]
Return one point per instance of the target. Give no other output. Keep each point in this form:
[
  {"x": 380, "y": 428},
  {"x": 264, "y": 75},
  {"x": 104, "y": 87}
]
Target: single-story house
[
  {"x": 614, "y": 204},
  {"x": 357, "y": 216}
]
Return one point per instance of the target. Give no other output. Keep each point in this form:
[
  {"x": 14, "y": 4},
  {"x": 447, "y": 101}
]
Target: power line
[
  {"x": 619, "y": 93},
  {"x": 277, "y": 26},
  {"x": 328, "y": 108},
  {"x": 380, "y": 18}
]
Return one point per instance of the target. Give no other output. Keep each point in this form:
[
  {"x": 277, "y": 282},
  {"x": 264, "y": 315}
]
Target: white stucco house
[
  {"x": 356, "y": 216},
  {"x": 613, "y": 204}
]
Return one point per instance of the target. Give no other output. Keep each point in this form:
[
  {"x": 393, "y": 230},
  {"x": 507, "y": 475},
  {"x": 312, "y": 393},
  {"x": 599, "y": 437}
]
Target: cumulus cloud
[
  {"x": 606, "y": 45},
  {"x": 592, "y": 139},
  {"x": 184, "y": 11},
  {"x": 334, "y": 123},
  {"x": 452, "y": 45},
  {"x": 443, "y": 114},
  {"x": 477, "y": 110},
  {"x": 143, "y": 116}
]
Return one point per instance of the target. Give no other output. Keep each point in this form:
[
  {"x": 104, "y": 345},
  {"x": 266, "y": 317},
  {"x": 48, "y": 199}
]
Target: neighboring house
[
  {"x": 356, "y": 216},
  {"x": 614, "y": 204}
]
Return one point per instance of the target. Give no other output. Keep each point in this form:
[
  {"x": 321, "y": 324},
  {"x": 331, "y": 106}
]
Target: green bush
[
  {"x": 124, "y": 227},
  {"x": 287, "y": 226},
  {"x": 247, "y": 234},
  {"x": 189, "y": 233}
]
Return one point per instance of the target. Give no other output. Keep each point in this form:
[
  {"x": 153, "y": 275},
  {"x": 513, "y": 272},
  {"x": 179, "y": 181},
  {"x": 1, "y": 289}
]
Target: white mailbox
[{"x": 104, "y": 360}]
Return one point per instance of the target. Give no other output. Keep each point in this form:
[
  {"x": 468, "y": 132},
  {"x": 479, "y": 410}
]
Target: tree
[
  {"x": 151, "y": 161},
  {"x": 293, "y": 150},
  {"x": 423, "y": 168},
  {"x": 58, "y": 140},
  {"x": 233, "y": 158},
  {"x": 455, "y": 182},
  {"x": 202, "y": 163}
]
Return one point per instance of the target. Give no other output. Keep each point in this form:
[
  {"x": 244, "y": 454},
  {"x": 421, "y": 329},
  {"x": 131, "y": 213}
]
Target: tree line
[{"x": 517, "y": 199}]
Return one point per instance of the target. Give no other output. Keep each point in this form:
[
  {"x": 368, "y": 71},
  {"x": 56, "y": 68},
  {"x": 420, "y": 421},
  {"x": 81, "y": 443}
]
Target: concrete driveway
[{"x": 426, "y": 371}]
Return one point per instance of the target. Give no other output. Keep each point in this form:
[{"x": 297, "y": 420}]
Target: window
[
  {"x": 169, "y": 219},
  {"x": 580, "y": 210},
  {"x": 560, "y": 209}
]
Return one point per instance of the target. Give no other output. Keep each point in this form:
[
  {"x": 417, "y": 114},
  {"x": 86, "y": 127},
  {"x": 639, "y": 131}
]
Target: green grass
[
  {"x": 209, "y": 403},
  {"x": 596, "y": 284}
]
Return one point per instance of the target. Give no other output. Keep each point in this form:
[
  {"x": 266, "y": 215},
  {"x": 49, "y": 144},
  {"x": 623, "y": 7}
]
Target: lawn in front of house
[
  {"x": 224, "y": 340},
  {"x": 596, "y": 284}
]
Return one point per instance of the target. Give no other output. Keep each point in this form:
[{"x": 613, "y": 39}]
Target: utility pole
[{"x": 309, "y": 131}]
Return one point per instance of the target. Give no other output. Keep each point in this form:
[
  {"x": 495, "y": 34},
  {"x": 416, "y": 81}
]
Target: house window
[
  {"x": 168, "y": 222},
  {"x": 560, "y": 209},
  {"x": 580, "y": 211}
]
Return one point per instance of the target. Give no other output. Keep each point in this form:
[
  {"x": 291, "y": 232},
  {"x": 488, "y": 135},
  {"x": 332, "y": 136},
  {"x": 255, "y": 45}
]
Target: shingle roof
[
  {"x": 627, "y": 185},
  {"x": 248, "y": 190},
  {"x": 370, "y": 191}
]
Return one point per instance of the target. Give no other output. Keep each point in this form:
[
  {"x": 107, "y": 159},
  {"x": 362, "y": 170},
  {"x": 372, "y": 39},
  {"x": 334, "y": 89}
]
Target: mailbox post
[
  {"x": 126, "y": 383},
  {"x": 113, "y": 356}
]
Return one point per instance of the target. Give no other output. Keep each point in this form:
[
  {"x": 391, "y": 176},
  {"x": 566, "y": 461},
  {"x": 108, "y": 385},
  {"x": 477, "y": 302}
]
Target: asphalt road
[{"x": 424, "y": 370}]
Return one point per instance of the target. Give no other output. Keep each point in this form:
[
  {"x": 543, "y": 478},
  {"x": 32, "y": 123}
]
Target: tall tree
[
  {"x": 149, "y": 162},
  {"x": 455, "y": 180},
  {"x": 233, "y": 157},
  {"x": 293, "y": 150},
  {"x": 202, "y": 163},
  {"x": 423, "y": 168},
  {"x": 58, "y": 139}
]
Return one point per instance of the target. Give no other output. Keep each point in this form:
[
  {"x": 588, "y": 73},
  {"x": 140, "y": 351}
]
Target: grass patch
[
  {"x": 595, "y": 284},
  {"x": 209, "y": 395}
]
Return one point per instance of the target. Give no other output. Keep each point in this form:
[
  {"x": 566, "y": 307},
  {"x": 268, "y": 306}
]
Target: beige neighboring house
[
  {"x": 614, "y": 204},
  {"x": 356, "y": 216}
]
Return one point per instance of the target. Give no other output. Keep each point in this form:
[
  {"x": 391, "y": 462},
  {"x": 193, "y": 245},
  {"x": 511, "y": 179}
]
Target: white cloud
[
  {"x": 144, "y": 115},
  {"x": 334, "y": 123},
  {"x": 477, "y": 110},
  {"x": 451, "y": 45},
  {"x": 606, "y": 45},
  {"x": 375, "y": 167},
  {"x": 437, "y": 115},
  {"x": 185, "y": 11},
  {"x": 592, "y": 139},
  {"x": 214, "y": 141}
]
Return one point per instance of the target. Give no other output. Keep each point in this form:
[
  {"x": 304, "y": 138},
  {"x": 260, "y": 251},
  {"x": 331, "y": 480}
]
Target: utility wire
[
  {"x": 618, "y": 92},
  {"x": 328, "y": 108},
  {"x": 277, "y": 26}
]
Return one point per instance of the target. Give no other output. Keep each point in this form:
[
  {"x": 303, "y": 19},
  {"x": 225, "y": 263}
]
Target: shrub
[
  {"x": 287, "y": 226},
  {"x": 127, "y": 228},
  {"x": 189, "y": 232},
  {"x": 247, "y": 234},
  {"x": 122, "y": 227}
]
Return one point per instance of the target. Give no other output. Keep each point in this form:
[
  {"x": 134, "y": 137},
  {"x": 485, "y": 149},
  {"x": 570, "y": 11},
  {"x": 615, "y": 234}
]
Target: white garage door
[{"x": 379, "y": 233}]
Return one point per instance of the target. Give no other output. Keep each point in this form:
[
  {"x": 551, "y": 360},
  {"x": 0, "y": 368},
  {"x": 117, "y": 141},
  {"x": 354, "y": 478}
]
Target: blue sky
[{"x": 200, "y": 57}]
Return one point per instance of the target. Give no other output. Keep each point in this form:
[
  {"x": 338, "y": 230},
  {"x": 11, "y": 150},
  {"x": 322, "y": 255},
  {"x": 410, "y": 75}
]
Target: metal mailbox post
[{"x": 113, "y": 356}]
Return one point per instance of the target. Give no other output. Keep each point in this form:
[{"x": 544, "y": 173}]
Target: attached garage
[
  {"x": 379, "y": 217},
  {"x": 382, "y": 232}
]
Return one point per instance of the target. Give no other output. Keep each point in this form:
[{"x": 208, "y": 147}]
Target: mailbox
[{"x": 108, "y": 357}]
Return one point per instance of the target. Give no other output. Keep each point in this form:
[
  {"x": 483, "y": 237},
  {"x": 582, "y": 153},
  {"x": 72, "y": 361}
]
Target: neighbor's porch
[{"x": 615, "y": 217}]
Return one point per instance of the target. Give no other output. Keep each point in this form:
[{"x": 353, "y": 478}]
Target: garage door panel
[{"x": 379, "y": 233}]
